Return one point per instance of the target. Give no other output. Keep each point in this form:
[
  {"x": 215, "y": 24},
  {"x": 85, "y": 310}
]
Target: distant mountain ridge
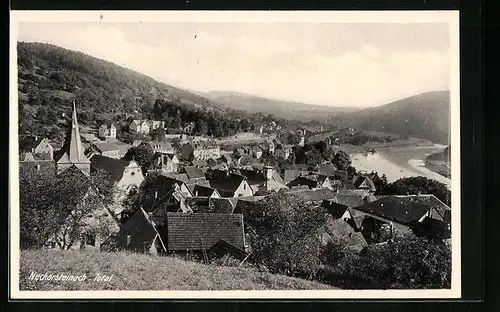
[
  {"x": 276, "y": 107},
  {"x": 426, "y": 115}
]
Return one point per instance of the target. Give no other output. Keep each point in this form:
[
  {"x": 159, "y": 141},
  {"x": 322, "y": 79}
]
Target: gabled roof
[
  {"x": 115, "y": 167},
  {"x": 363, "y": 182},
  {"x": 27, "y": 143},
  {"x": 343, "y": 233},
  {"x": 194, "y": 173},
  {"x": 198, "y": 231},
  {"x": 290, "y": 175},
  {"x": 327, "y": 169},
  {"x": 203, "y": 191},
  {"x": 403, "y": 209},
  {"x": 225, "y": 181}
]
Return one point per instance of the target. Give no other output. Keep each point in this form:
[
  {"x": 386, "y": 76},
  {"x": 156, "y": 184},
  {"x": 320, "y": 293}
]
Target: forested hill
[
  {"x": 50, "y": 77},
  {"x": 426, "y": 115}
]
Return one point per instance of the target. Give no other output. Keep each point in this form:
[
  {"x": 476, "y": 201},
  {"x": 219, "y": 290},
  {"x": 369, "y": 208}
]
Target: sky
[{"x": 336, "y": 64}]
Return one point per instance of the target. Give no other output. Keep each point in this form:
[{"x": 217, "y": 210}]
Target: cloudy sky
[{"x": 319, "y": 63}]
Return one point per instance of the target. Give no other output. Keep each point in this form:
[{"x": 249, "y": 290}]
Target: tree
[
  {"x": 418, "y": 185},
  {"x": 142, "y": 154},
  {"x": 56, "y": 208},
  {"x": 341, "y": 160},
  {"x": 158, "y": 134},
  {"x": 410, "y": 263},
  {"x": 201, "y": 127},
  {"x": 283, "y": 235}
]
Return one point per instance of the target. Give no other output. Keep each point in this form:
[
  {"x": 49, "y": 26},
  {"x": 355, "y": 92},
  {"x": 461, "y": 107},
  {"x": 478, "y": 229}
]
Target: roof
[
  {"x": 194, "y": 173},
  {"x": 312, "y": 195},
  {"x": 27, "y": 143},
  {"x": 349, "y": 200},
  {"x": 43, "y": 165},
  {"x": 225, "y": 181},
  {"x": 73, "y": 148},
  {"x": 198, "y": 231},
  {"x": 290, "y": 175},
  {"x": 200, "y": 163},
  {"x": 343, "y": 233},
  {"x": 202, "y": 191},
  {"x": 403, "y": 209},
  {"x": 327, "y": 169},
  {"x": 222, "y": 205},
  {"x": 115, "y": 167},
  {"x": 136, "y": 143},
  {"x": 105, "y": 146},
  {"x": 363, "y": 182},
  {"x": 140, "y": 230}
]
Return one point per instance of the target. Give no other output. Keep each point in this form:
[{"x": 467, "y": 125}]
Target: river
[{"x": 400, "y": 162}]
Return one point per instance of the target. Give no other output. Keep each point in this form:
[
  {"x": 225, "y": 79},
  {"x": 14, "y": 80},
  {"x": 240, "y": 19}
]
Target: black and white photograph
[{"x": 234, "y": 154}]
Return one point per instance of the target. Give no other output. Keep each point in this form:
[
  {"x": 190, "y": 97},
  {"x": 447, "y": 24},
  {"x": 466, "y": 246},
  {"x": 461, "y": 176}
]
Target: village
[{"x": 199, "y": 195}]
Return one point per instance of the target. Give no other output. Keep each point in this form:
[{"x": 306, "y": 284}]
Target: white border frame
[{"x": 450, "y": 17}]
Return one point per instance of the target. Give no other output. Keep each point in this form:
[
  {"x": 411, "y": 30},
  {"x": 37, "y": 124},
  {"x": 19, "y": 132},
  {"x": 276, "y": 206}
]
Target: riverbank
[
  {"x": 399, "y": 162},
  {"x": 377, "y": 146}
]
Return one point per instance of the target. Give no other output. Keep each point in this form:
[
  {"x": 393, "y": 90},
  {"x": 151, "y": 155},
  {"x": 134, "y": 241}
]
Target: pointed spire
[{"x": 74, "y": 153}]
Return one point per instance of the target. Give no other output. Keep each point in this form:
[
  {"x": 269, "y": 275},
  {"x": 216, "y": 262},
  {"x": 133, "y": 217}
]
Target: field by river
[{"x": 399, "y": 162}]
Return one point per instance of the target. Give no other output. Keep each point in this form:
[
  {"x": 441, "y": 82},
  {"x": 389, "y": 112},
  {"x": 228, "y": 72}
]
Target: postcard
[{"x": 232, "y": 154}]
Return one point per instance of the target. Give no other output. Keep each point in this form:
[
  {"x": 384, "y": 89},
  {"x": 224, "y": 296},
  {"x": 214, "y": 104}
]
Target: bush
[{"x": 226, "y": 260}]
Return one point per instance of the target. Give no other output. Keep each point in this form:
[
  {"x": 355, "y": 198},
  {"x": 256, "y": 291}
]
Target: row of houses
[{"x": 202, "y": 210}]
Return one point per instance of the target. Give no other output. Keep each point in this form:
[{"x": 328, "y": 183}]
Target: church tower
[{"x": 73, "y": 151}]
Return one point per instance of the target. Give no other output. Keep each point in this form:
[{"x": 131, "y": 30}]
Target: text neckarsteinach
[{"x": 68, "y": 277}]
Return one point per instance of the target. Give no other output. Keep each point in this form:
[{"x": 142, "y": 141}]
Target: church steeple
[{"x": 73, "y": 149}]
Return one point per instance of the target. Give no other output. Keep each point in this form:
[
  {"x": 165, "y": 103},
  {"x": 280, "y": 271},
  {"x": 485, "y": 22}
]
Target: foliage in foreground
[{"x": 132, "y": 271}]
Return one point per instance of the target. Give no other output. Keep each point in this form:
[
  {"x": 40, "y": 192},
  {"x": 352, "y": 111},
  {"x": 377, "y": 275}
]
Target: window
[
  {"x": 129, "y": 239},
  {"x": 132, "y": 173}
]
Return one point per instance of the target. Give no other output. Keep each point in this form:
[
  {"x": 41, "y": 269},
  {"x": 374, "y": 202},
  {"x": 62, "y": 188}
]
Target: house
[
  {"x": 97, "y": 220},
  {"x": 189, "y": 128},
  {"x": 341, "y": 233},
  {"x": 200, "y": 150},
  {"x": 313, "y": 181},
  {"x": 207, "y": 234},
  {"x": 155, "y": 124},
  {"x": 138, "y": 234},
  {"x": 256, "y": 151},
  {"x": 166, "y": 163},
  {"x": 104, "y": 149},
  {"x": 139, "y": 126},
  {"x": 268, "y": 146},
  {"x": 162, "y": 187},
  {"x": 291, "y": 175},
  {"x": 327, "y": 169},
  {"x": 283, "y": 151},
  {"x": 126, "y": 175},
  {"x": 229, "y": 184},
  {"x": 37, "y": 146},
  {"x": 159, "y": 147},
  {"x": 263, "y": 181},
  {"x": 391, "y": 217},
  {"x": 204, "y": 191},
  {"x": 107, "y": 132},
  {"x": 194, "y": 174},
  {"x": 244, "y": 205},
  {"x": 202, "y": 163},
  {"x": 72, "y": 153},
  {"x": 364, "y": 183},
  {"x": 312, "y": 196}
]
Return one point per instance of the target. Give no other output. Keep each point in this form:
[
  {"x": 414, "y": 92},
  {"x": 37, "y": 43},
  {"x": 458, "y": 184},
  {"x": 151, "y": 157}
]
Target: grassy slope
[{"x": 145, "y": 272}]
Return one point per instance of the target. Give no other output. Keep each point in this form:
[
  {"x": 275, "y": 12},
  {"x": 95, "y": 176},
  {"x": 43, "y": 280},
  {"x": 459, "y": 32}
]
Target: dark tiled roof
[
  {"x": 199, "y": 231},
  {"x": 202, "y": 191},
  {"x": 114, "y": 166},
  {"x": 194, "y": 173},
  {"x": 402, "y": 209},
  {"x": 224, "y": 181},
  {"x": 221, "y": 205},
  {"x": 141, "y": 231},
  {"x": 327, "y": 169},
  {"x": 312, "y": 195},
  {"x": 290, "y": 175}
]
